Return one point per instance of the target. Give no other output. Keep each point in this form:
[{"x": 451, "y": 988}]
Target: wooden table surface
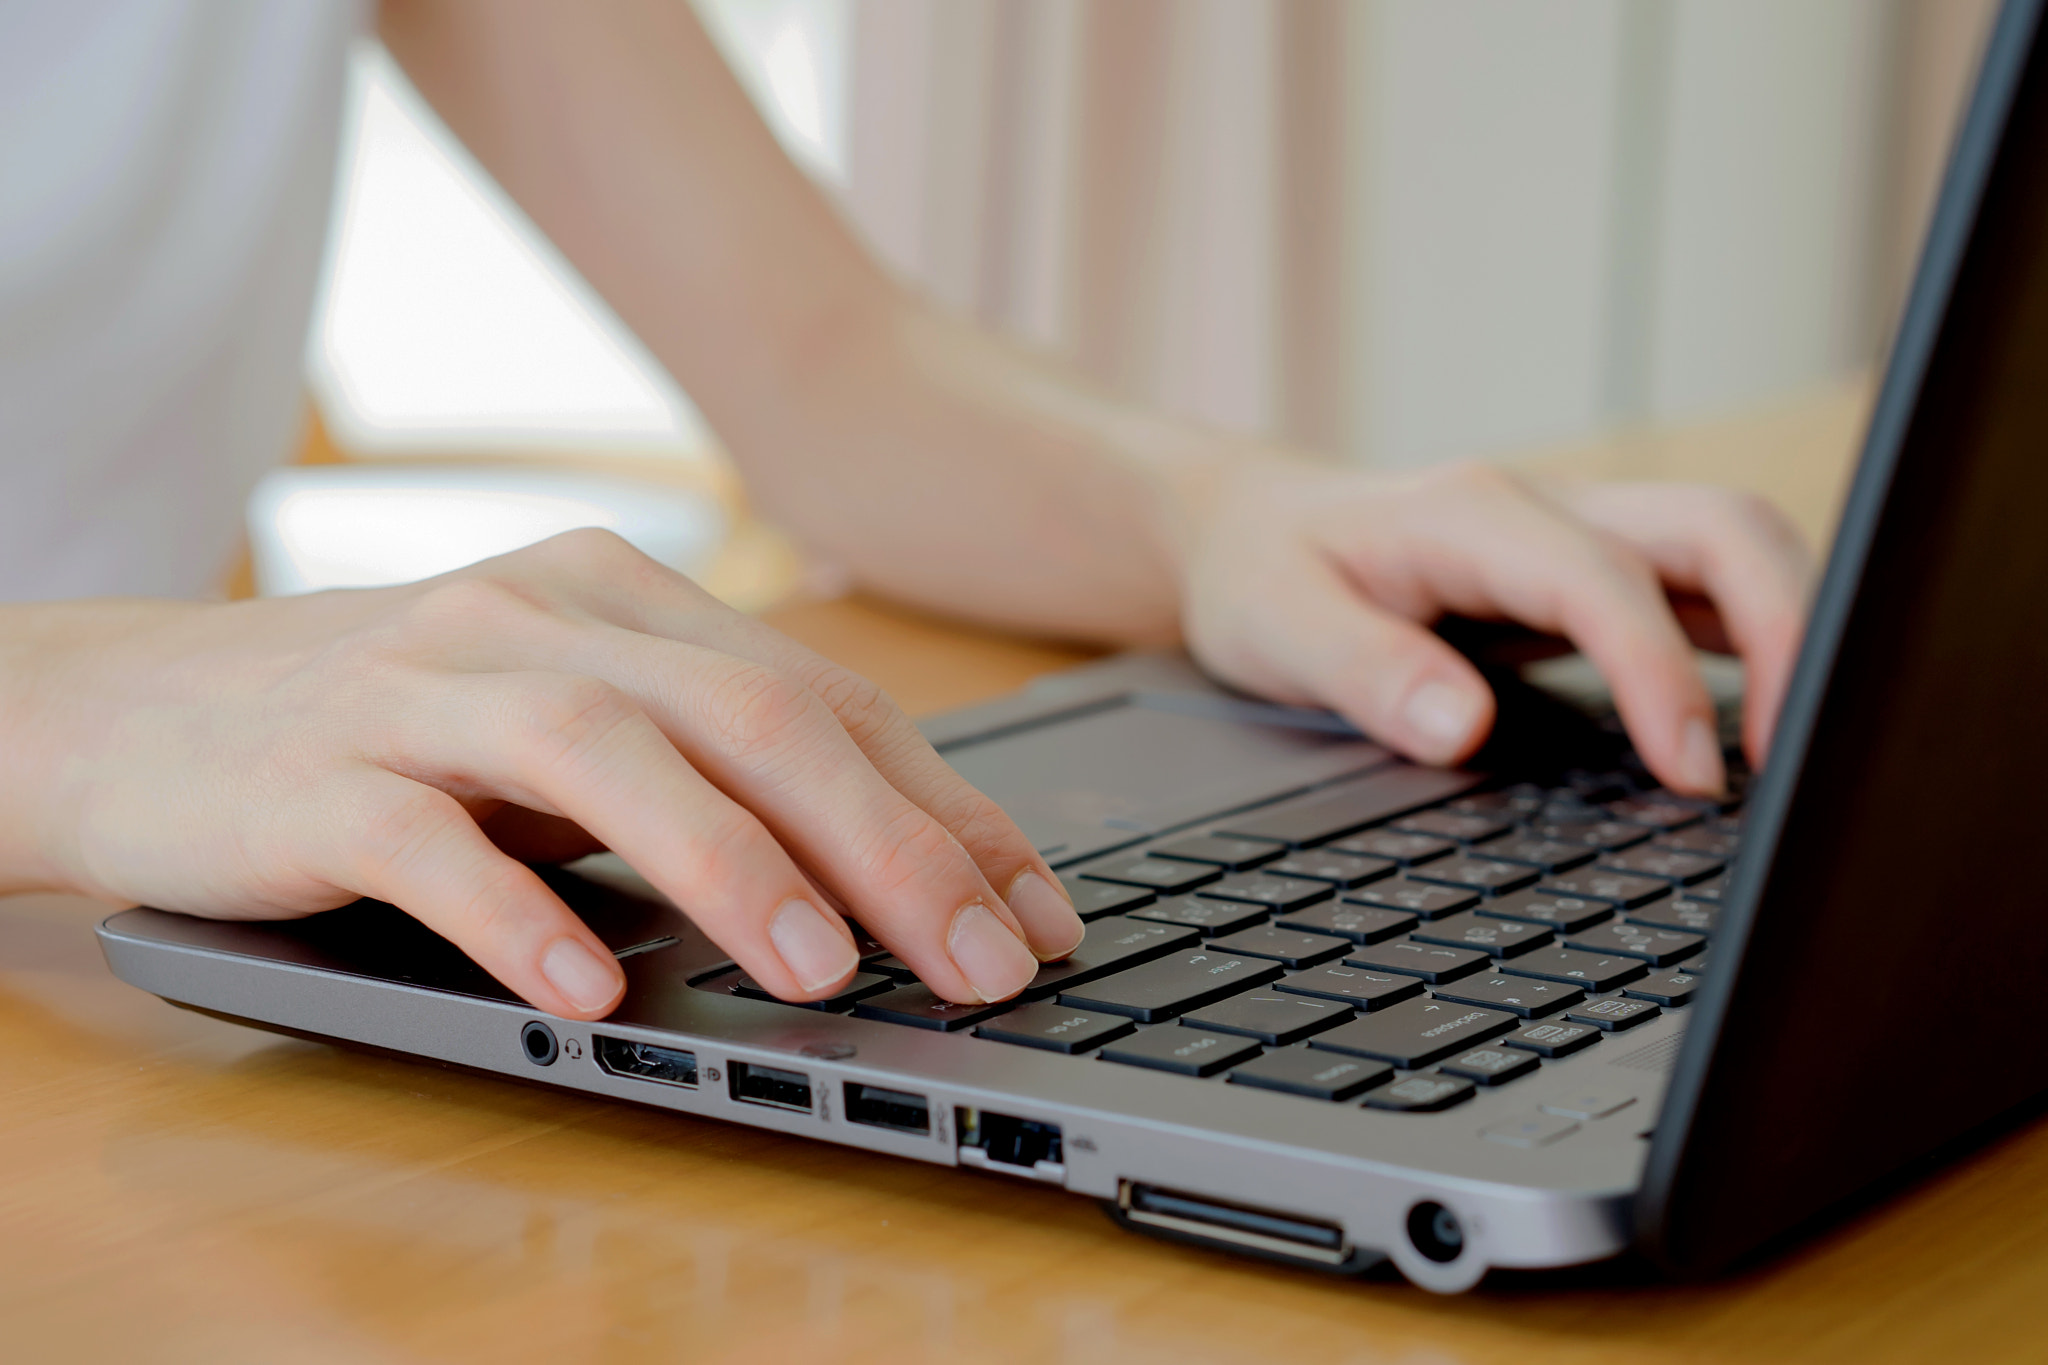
[{"x": 176, "y": 1188}]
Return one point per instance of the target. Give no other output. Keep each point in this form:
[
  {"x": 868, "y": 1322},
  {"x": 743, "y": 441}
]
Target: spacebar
[{"x": 1371, "y": 799}]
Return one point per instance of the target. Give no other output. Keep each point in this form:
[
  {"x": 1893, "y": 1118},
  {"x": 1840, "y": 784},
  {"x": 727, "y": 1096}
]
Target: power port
[
  {"x": 1014, "y": 1146},
  {"x": 537, "y": 1040},
  {"x": 645, "y": 1061},
  {"x": 1436, "y": 1232},
  {"x": 897, "y": 1110},
  {"x": 770, "y": 1085}
]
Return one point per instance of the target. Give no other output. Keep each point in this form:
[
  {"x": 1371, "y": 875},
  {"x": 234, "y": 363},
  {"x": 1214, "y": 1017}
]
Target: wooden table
[{"x": 175, "y": 1188}]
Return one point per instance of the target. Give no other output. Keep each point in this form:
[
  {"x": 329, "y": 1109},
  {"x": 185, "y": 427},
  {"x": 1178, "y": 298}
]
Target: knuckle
[
  {"x": 756, "y": 711},
  {"x": 592, "y": 547},
  {"x": 564, "y": 717},
  {"x": 460, "y": 608},
  {"x": 977, "y": 821},
  {"x": 864, "y": 709},
  {"x": 904, "y": 845}
]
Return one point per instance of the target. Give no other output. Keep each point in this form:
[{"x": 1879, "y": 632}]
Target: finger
[
  {"x": 418, "y": 849},
  {"x": 1742, "y": 553}
]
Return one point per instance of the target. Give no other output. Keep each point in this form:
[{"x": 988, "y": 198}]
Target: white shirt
[{"x": 166, "y": 168}]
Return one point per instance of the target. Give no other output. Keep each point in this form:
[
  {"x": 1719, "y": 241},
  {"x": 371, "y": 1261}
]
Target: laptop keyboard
[{"x": 1335, "y": 950}]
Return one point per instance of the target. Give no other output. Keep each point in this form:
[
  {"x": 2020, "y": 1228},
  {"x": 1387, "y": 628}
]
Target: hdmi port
[
  {"x": 1199, "y": 1218},
  {"x": 645, "y": 1061}
]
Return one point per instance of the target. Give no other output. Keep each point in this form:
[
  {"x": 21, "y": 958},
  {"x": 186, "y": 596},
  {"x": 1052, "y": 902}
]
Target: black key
[
  {"x": 863, "y": 984},
  {"x": 1616, "y": 888},
  {"x": 1055, "y": 1028},
  {"x": 1444, "y": 824},
  {"x": 1369, "y": 800},
  {"x": 1275, "y": 1019},
  {"x": 1276, "y": 893},
  {"x": 1657, "y": 810},
  {"x": 1432, "y": 962},
  {"x": 1680, "y": 912},
  {"x": 1339, "y": 869},
  {"x": 1596, "y": 972},
  {"x": 1187, "y": 1051},
  {"x": 1360, "y": 986},
  {"x": 1094, "y": 899},
  {"x": 1163, "y": 875},
  {"x": 889, "y": 965},
  {"x": 917, "y": 1005},
  {"x": 1490, "y": 1065},
  {"x": 1478, "y": 874},
  {"x": 1595, "y": 833},
  {"x": 1318, "y": 1075},
  {"x": 1523, "y": 995},
  {"x": 1359, "y": 923},
  {"x": 1420, "y": 1094},
  {"x": 1670, "y": 989},
  {"x": 1418, "y": 898},
  {"x": 1545, "y": 855},
  {"x": 1658, "y": 947},
  {"x": 1614, "y": 1013},
  {"x": 1110, "y": 945},
  {"x": 1232, "y": 855},
  {"x": 1211, "y": 917},
  {"x": 1698, "y": 966},
  {"x": 1415, "y": 1033},
  {"x": 1558, "y": 1039},
  {"x": 1500, "y": 937},
  {"x": 1714, "y": 843},
  {"x": 1409, "y": 850},
  {"x": 1289, "y": 946},
  {"x": 1708, "y": 890},
  {"x": 1173, "y": 984},
  {"x": 1567, "y": 914},
  {"x": 1665, "y": 864}
]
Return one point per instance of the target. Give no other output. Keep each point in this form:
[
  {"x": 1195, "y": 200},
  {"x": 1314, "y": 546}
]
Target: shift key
[
  {"x": 1415, "y": 1032},
  {"x": 1173, "y": 984}
]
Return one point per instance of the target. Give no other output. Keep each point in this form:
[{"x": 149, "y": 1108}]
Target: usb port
[
  {"x": 770, "y": 1085},
  {"x": 1014, "y": 1146},
  {"x": 897, "y": 1110},
  {"x": 645, "y": 1061}
]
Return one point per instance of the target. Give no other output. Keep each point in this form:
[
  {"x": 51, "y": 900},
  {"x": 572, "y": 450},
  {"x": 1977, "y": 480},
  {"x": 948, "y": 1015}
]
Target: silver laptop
[{"x": 1350, "y": 1014}]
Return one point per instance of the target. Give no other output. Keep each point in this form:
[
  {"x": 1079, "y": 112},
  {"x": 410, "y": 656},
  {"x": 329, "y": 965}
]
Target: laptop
[{"x": 1343, "y": 1012}]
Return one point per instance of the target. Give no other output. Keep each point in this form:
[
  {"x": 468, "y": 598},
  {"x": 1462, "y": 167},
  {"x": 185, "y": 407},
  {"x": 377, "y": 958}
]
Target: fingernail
[
  {"x": 1699, "y": 759},
  {"x": 1441, "y": 717},
  {"x": 994, "y": 960},
  {"x": 584, "y": 980},
  {"x": 817, "y": 951},
  {"x": 1050, "y": 924}
]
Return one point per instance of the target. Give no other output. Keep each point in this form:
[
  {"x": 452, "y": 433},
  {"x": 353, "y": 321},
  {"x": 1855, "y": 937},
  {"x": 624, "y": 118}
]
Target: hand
[
  {"x": 1317, "y": 586},
  {"x": 276, "y": 758}
]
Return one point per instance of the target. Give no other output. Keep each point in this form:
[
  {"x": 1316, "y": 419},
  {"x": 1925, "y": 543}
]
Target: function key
[
  {"x": 1593, "y": 832},
  {"x": 1669, "y": 989},
  {"x": 1173, "y": 984},
  {"x": 1409, "y": 850},
  {"x": 1420, "y": 1094},
  {"x": 1666, "y": 864},
  {"x": 1658, "y": 810},
  {"x": 1185, "y": 1051},
  {"x": 1564, "y": 913},
  {"x": 1615, "y": 1013},
  {"x": 1055, "y": 1028},
  {"x": 1417, "y": 898},
  {"x": 1232, "y": 855},
  {"x": 1289, "y": 946},
  {"x": 1359, "y": 923},
  {"x": 1358, "y": 986},
  {"x": 1596, "y": 972},
  {"x": 1278, "y": 893},
  {"x": 1679, "y": 912},
  {"x": 1556, "y": 1039},
  {"x": 1616, "y": 888},
  {"x": 1416, "y": 1032},
  {"x": 1490, "y": 1065},
  {"x": 1444, "y": 824},
  {"x": 1500, "y": 937},
  {"x": 1432, "y": 962},
  {"x": 919, "y": 1006},
  {"x": 1478, "y": 874},
  {"x": 1714, "y": 843},
  {"x": 1338, "y": 869},
  {"x": 1273, "y": 1018},
  {"x": 1110, "y": 945},
  {"x": 1163, "y": 875},
  {"x": 1545, "y": 855},
  {"x": 1520, "y": 995},
  {"x": 1211, "y": 917},
  {"x": 1658, "y": 947},
  {"x": 1095, "y": 899},
  {"x": 864, "y": 983},
  {"x": 1318, "y": 1075}
]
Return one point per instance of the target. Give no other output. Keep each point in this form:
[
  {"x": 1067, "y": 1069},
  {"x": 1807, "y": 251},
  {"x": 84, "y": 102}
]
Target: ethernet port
[
  {"x": 899, "y": 1111},
  {"x": 1012, "y": 1145}
]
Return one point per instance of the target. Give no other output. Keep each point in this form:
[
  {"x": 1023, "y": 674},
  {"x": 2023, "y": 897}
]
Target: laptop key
[
  {"x": 1432, "y": 962},
  {"x": 889, "y": 965},
  {"x": 1409, "y": 850},
  {"x": 1669, "y": 989},
  {"x": 1566, "y": 914},
  {"x": 1665, "y": 864},
  {"x": 1162, "y": 875},
  {"x": 1318, "y": 1075},
  {"x": 1211, "y": 917},
  {"x": 1616, "y": 888},
  {"x": 864, "y": 983},
  {"x": 1658, "y": 947},
  {"x": 1500, "y": 937},
  {"x": 1359, "y": 923},
  {"x": 1358, "y": 986},
  {"x": 1490, "y": 1065},
  {"x": 1344, "y": 870},
  {"x": 1659, "y": 811},
  {"x": 1055, "y": 1028},
  {"x": 1273, "y": 1018},
  {"x": 1420, "y": 1094},
  {"x": 1417, "y": 898},
  {"x": 1185, "y": 1051},
  {"x": 1278, "y": 893},
  {"x": 1708, "y": 890},
  {"x": 1232, "y": 855},
  {"x": 1522, "y": 995},
  {"x": 1598, "y": 973},
  {"x": 1173, "y": 984},
  {"x": 1601, "y": 835},
  {"x": 1092, "y": 900},
  {"x": 919, "y": 1006},
  {"x": 1370, "y": 800},
  {"x": 1680, "y": 912},
  {"x": 1478, "y": 874},
  {"x": 1415, "y": 1033},
  {"x": 1615, "y": 1013},
  {"x": 1110, "y": 945},
  {"x": 1444, "y": 824},
  {"x": 1559, "y": 1038},
  {"x": 1545, "y": 855},
  {"x": 1288, "y": 946}
]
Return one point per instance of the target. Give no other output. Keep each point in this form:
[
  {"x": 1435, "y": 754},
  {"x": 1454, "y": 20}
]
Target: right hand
[{"x": 272, "y": 759}]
